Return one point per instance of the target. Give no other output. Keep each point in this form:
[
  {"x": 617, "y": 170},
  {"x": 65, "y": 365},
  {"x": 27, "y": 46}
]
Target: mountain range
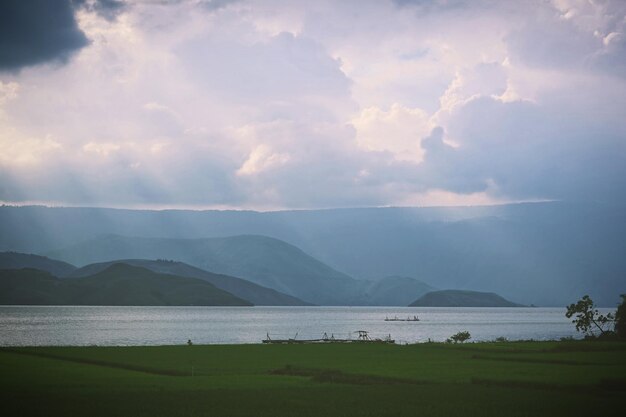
[
  {"x": 548, "y": 253},
  {"x": 261, "y": 260},
  {"x": 392, "y": 291}
]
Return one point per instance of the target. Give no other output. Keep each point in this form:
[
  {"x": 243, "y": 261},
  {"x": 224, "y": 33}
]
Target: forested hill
[{"x": 118, "y": 285}]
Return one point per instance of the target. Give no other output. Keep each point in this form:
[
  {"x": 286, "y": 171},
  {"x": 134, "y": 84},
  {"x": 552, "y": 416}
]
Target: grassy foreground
[{"x": 483, "y": 379}]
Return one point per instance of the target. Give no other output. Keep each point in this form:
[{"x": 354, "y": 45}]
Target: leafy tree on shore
[
  {"x": 588, "y": 319},
  {"x": 460, "y": 337},
  {"x": 620, "y": 318}
]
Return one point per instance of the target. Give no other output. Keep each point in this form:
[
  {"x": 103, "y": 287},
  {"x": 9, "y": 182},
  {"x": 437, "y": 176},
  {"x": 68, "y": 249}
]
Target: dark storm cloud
[{"x": 37, "y": 31}]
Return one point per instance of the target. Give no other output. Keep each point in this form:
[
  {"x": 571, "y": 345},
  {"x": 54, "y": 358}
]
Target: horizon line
[{"x": 53, "y": 205}]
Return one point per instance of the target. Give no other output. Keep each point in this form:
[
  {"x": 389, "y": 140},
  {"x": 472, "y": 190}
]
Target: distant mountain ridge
[
  {"x": 393, "y": 291},
  {"x": 462, "y": 298},
  {"x": 117, "y": 285},
  {"x": 258, "y": 295},
  {"x": 16, "y": 260}
]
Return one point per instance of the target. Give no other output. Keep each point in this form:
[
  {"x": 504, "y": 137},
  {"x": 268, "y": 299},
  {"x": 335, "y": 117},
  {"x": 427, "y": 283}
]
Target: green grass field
[{"x": 483, "y": 379}]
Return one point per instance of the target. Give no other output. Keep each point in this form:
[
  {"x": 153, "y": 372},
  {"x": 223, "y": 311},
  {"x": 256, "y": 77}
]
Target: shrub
[{"x": 460, "y": 337}]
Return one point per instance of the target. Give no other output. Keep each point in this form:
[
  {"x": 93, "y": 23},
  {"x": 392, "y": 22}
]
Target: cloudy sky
[{"x": 305, "y": 104}]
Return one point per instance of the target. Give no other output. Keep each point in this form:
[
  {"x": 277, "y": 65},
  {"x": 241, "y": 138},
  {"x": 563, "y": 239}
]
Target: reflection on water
[{"x": 61, "y": 325}]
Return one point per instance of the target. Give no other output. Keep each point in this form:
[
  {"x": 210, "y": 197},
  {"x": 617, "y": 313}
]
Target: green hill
[
  {"x": 241, "y": 288},
  {"x": 32, "y": 287},
  {"x": 460, "y": 298},
  {"x": 119, "y": 284},
  {"x": 15, "y": 260}
]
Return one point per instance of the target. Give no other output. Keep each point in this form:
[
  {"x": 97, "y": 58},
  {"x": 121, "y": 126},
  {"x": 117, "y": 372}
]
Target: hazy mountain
[
  {"x": 15, "y": 260},
  {"x": 543, "y": 253},
  {"x": 265, "y": 261},
  {"x": 393, "y": 291},
  {"x": 458, "y": 298},
  {"x": 119, "y": 284},
  {"x": 241, "y": 288}
]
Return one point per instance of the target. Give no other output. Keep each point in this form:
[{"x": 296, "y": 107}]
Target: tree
[
  {"x": 588, "y": 318},
  {"x": 460, "y": 337},
  {"x": 620, "y": 318}
]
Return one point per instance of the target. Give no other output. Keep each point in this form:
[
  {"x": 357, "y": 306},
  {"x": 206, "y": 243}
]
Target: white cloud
[
  {"x": 8, "y": 91},
  {"x": 485, "y": 79},
  {"x": 261, "y": 159},
  {"x": 443, "y": 198},
  {"x": 398, "y": 130},
  {"x": 25, "y": 152},
  {"x": 101, "y": 148}
]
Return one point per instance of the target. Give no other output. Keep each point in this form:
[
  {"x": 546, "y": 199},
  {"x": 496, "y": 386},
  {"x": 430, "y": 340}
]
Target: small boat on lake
[{"x": 414, "y": 318}]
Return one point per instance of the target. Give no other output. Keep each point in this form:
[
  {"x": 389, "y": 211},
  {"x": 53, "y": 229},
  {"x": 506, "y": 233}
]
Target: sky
[{"x": 283, "y": 104}]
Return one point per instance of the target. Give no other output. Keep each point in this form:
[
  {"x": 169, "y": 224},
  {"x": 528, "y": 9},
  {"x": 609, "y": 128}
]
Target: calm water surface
[{"x": 125, "y": 326}]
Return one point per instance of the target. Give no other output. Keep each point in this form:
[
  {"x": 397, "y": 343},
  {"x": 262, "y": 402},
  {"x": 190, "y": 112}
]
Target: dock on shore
[{"x": 363, "y": 337}]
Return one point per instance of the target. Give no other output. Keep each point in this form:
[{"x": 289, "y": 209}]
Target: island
[{"x": 462, "y": 298}]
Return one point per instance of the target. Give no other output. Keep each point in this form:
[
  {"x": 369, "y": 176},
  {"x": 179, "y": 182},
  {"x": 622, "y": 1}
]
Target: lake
[{"x": 127, "y": 326}]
